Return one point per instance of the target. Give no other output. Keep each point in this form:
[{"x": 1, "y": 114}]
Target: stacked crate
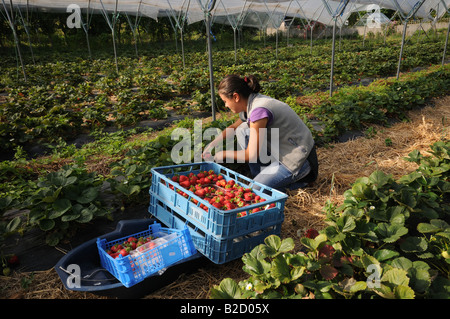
[{"x": 220, "y": 235}]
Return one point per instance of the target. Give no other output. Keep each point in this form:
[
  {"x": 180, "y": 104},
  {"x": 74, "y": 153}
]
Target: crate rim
[{"x": 280, "y": 194}]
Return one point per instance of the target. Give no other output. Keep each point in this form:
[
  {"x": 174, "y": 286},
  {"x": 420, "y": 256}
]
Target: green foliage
[
  {"x": 78, "y": 94},
  {"x": 62, "y": 199},
  {"x": 389, "y": 239},
  {"x": 357, "y": 108}
]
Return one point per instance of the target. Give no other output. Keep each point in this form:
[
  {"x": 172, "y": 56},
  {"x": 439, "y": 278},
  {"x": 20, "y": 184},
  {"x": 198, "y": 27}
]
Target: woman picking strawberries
[{"x": 274, "y": 141}]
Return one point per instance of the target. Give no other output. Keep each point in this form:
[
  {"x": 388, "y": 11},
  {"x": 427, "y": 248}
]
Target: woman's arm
[
  {"x": 220, "y": 138},
  {"x": 250, "y": 154}
]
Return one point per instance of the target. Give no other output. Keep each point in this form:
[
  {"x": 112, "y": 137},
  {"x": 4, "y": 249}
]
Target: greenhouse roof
[{"x": 254, "y": 13}]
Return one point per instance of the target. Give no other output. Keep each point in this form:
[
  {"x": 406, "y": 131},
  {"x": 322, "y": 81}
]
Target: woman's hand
[{"x": 206, "y": 155}]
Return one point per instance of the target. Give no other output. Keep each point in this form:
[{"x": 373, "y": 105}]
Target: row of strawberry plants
[
  {"x": 59, "y": 201},
  {"x": 71, "y": 96},
  {"x": 358, "y": 107},
  {"x": 389, "y": 239}
]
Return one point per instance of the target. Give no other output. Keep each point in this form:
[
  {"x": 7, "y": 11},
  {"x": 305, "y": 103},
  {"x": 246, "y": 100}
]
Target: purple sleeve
[{"x": 261, "y": 113}]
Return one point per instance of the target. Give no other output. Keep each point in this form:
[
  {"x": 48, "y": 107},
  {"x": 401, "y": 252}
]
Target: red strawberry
[
  {"x": 124, "y": 251},
  {"x": 200, "y": 175},
  {"x": 13, "y": 260},
  {"x": 200, "y": 193},
  {"x": 116, "y": 248},
  {"x": 241, "y": 214},
  {"x": 248, "y": 196},
  {"x": 183, "y": 178},
  {"x": 311, "y": 233},
  {"x": 229, "y": 205},
  {"x": 185, "y": 183}
]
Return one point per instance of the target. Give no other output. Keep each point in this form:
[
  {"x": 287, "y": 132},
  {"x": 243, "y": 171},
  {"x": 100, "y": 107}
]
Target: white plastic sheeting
[{"x": 254, "y": 13}]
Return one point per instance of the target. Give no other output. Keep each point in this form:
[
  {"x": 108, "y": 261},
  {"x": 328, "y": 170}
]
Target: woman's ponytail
[
  {"x": 253, "y": 83},
  {"x": 235, "y": 84}
]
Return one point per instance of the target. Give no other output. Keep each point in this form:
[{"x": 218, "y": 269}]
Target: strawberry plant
[
  {"x": 62, "y": 199},
  {"x": 389, "y": 239}
]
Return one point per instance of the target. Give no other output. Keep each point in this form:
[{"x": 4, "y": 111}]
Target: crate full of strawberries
[
  {"x": 215, "y": 199},
  {"x": 137, "y": 256}
]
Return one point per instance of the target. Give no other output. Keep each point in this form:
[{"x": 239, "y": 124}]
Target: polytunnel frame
[
  {"x": 207, "y": 10},
  {"x": 180, "y": 21}
]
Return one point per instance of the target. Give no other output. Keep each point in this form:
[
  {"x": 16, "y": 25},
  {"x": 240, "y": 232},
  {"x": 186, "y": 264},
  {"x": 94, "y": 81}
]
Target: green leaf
[
  {"x": 391, "y": 232},
  {"x": 53, "y": 238},
  {"x": 396, "y": 276},
  {"x": 280, "y": 270},
  {"x": 71, "y": 215},
  {"x": 13, "y": 224},
  {"x": 435, "y": 225},
  {"x": 275, "y": 246},
  {"x": 408, "y": 199},
  {"x": 414, "y": 244},
  {"x": 130, "y": 169},
  {"x": 420, "y": 278},
  {"x": 86, "y": 215},
  {"x": 60, "y": 206},
  {"x": 360, "y": 190},
  {"x": 297, "y": 272},
  {"x": 88, "y": 195},
  {"x": 314, "y": 244},
  {"x": 346, "y": 223},
  {"x": 402, "y": 263},
  {"x": 358, "y": 286},
  {"x": 227, "y": 289},
  {"x": 128, "y": 190},
  {"x": 255, "y": 266},
  {"x": 379, "y": 178},
  {"x": 397, "y": 215},
  {"x": 403, "y": 292},
  {"x": 385, "y": 254},
  {"x": 46, "y": 224},
  {"x": 53, "y": 196}
]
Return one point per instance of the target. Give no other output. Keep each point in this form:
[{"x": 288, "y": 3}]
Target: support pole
[
  {"x": 445, "y": 46},
  {"x": 338, "y": 13},
  {"x": 406, "y": 18},
  {"x": 112, "y": 25},
  {"x": 235, "y": 49},
  {"x": 113, "y": 30},
  {"x": 448, "y": 31},
  {"x": 16, "y": 37},
  {"x": 332, "y": 57},
  {"x": 86, "y": 29},
  {"x": 405, "y": 25},
  {"x": 210, "y": 62}
]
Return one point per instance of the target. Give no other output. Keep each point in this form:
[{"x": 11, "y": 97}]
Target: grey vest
[{"x": 295, "y": 138}]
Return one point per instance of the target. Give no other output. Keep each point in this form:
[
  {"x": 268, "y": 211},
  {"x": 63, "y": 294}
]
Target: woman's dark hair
[{"x": 235, "y": 84}]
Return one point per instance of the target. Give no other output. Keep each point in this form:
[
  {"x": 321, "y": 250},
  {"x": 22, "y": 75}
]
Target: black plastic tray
[{"x": 97, "y": 280}]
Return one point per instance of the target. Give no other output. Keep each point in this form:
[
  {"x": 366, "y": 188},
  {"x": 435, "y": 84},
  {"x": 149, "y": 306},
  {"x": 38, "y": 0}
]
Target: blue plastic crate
[
  {"x": 215, "y": 222},
  {"x": 218, "y": 250},
  {"x": 130, "y": 270}
]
